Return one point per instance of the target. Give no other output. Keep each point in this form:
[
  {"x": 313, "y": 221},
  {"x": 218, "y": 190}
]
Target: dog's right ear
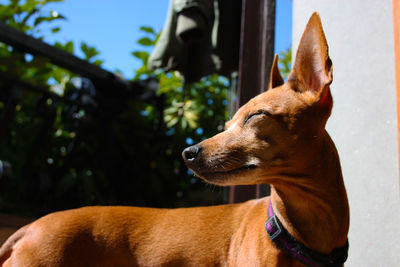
[
  {"x": 275, "y": 78},
  {"x": 312, "y": 69}
]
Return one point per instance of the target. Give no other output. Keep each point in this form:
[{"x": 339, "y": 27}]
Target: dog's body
[
  {"x": 277, "y": 138},
  {"x": 129, "y": 236}
]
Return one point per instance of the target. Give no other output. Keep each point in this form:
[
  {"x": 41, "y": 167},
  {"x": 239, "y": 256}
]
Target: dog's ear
[
  {"x": 312, "y": 70},
  {"x": 275, "y": 78}
]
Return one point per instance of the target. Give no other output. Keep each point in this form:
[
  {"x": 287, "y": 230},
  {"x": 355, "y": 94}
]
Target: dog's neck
[{"x": 319, "y": 219}]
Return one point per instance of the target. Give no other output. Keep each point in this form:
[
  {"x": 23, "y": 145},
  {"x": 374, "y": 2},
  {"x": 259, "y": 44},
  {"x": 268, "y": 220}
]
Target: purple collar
[{"x": 281, "y": 237}]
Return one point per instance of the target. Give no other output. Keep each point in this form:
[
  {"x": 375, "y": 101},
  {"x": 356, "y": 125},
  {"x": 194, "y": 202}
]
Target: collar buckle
[{"x": 272, "y": 227}]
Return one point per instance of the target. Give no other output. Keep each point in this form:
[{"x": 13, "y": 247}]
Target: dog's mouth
[
  {"x": 247, "y": 167},
  {"x": 214, "y": 176}
]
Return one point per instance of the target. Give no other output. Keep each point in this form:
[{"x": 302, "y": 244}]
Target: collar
[{"x": 281, "y": 237}]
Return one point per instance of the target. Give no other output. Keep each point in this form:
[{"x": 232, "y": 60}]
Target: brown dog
[{"x": 277, "y": 138}]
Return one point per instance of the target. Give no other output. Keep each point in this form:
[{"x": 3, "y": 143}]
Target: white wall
[{"x": 364, "y": 121}]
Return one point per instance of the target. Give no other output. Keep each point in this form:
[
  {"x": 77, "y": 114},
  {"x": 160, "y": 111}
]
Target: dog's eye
[{"x": 253, "y": 115}]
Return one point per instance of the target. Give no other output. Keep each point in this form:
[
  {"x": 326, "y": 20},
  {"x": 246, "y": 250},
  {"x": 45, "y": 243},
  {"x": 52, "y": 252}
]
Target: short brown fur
[{"x": 277, "y": 138}]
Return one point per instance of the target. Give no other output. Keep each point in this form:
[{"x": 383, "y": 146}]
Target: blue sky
[{"x": 113, "y": 27}]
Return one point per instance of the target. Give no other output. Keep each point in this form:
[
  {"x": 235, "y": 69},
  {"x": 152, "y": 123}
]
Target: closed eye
[{"x": 254, "y": 115}]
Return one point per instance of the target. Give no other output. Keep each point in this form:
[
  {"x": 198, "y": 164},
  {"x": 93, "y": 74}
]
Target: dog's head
[{"x": 274, "y": 134}]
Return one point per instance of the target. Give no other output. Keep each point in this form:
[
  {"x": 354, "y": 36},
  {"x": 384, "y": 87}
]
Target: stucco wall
[{"x": 364, "y": 121}]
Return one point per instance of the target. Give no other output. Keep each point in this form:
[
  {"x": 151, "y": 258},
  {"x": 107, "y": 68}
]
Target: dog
[{"x": 277, "y": 138}]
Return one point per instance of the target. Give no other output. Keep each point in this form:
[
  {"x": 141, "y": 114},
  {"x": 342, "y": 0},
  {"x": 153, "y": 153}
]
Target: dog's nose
[{"x": 190, "y": 153}]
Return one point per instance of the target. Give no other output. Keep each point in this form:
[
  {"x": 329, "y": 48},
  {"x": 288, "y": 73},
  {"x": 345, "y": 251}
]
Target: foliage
[
  {"x": 201, "y": 104},
  {"x": 72, "y": 143},
  {"x": 28, "y": 15},
  {"x": 285, "y": 61},
  {"x": 187, "y": 107}
]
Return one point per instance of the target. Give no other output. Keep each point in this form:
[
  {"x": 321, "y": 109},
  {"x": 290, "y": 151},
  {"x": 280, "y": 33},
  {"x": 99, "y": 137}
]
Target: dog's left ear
[
  {"x": 312, "y": 70},
  {"x": 275, "y": 78}
]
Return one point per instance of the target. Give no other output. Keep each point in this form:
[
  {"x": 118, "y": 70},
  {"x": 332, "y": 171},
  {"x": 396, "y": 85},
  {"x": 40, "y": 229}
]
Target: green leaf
[
  {"x": 142, "y": 55},
  {"x": 89, "y": 51},
  {"x": 55, "y": 30},
  {"x": 98, "y": 62},
  {"x": 172, "y": 121},
  {"x": 68, "y": 47},
  {"x": 184, "y": 124},
  {"x": 6, "y": 12},
  {"x": 145, "y": 41},
  {"x": 29, "y": 6},
  {"x": 147, "y": 29},
  {"x": 285, "y": 61},
  {"x": 141, "y": 71},
  {"x": 54, "y": 15},
  {"x": 14, "y": 3},
  {"x": 171, "y": 110}
]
